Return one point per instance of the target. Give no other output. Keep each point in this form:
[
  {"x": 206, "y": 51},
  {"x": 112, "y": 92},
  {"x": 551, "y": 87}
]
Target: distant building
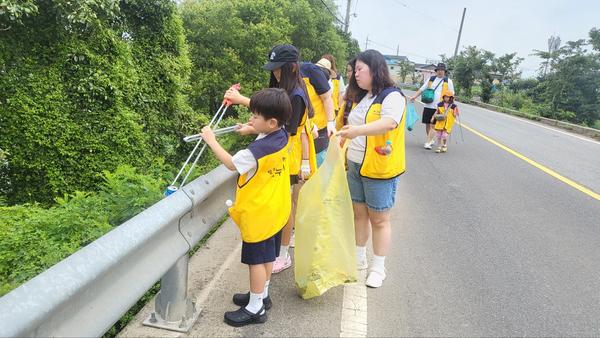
[
  {"x": 423, "y": 71},
  {"x": 393, "y": 64}
]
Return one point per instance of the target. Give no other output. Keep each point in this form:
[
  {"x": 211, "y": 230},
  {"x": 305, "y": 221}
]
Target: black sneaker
[
  {"x": 243, "y": 317},
  {"x": 242, "y": 299}
]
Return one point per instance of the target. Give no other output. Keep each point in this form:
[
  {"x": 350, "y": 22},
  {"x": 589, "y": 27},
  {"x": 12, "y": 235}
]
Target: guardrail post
[{"x": 173, "y": 309}]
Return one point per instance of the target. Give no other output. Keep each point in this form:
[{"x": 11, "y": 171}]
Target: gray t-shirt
[{"x": 392, "y": 107}]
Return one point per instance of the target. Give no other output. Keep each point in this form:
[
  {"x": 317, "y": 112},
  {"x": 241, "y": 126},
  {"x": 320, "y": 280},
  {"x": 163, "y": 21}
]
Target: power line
[
  {"x": 332, "y": 14},
  {"x": 425, "y": 14},
  {"x": 398, "y": 49}
]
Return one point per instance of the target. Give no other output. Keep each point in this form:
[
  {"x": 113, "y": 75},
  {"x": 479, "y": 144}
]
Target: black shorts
[
  {"x": 261, "y": 252},
  {"x": 427, "y": 115},
  {"x": 294, "y": 179},
  {"x": 321, "y": 142}
]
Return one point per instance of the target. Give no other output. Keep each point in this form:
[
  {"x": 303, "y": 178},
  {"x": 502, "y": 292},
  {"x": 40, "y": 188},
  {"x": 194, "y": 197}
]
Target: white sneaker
[
  {"x": 427, "y": 145},
  {"x": 375, "y": 278},
  {"x": 362, "y": 264},
  {"x": 281, "y": 264}
]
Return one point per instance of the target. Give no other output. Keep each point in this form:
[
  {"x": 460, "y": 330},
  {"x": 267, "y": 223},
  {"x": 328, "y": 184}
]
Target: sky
[{"x": 425, "y": 29}]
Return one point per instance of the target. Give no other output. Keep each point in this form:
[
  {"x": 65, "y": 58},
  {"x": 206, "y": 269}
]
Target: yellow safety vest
[
  {"x": 448, "y": 123},
  {"x": 341, "y": 119},
  {"x": 389, "y": 166},
  {"x": 444, "y": 83},
  {"x": 336, "y": 93},
  {"x": 263, "y": 202},
  {"x": 296, "y": 141},
  {"x": 320, "y": 118}
]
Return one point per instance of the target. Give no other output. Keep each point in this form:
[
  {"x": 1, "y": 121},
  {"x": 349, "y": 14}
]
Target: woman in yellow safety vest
[
  {"x": 346, "y": 102},
  {"x": 337, "y": 84},
  {"x": 375, "y": 157}
]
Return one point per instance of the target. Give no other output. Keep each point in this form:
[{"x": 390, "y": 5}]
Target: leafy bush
[
  {"x": 33, "y": 238},
  {"x": 86, "y": 86}
]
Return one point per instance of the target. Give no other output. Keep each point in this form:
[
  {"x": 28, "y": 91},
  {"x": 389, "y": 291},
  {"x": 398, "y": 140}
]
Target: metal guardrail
[{"x": 86, "y": 293}]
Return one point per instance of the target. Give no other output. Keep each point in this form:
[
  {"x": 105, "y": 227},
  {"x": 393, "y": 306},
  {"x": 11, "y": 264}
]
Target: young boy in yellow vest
[
  {"x": 444, "y": 118},
  {"x": 263, "y": 202}
]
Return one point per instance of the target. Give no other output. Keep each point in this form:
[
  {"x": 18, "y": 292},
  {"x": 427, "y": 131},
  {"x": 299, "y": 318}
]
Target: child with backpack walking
[{"x": 444, "y": 117}]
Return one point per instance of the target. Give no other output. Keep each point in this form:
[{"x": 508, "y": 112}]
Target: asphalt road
[{"x": 484, "y": 244}]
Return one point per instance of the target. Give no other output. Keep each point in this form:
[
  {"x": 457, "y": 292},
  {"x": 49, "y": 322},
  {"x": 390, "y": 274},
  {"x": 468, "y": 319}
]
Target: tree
[
  {"x": 223, "y": 53},
  {"x": 86, "y": 86},
  {"x": 470, "y": 65},
  {"x": 572, "y": 88},
  {"x": 405, "y": 68},
  {"x": 507, "y": 67}
]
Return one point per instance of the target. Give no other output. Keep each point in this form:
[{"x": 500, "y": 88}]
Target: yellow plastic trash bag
[{"x": 325, "y": 251}]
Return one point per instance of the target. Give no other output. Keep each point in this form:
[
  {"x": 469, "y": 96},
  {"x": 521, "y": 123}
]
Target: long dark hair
[
  {"x": 350, "y": 95},
  {"x": 379, "y": 71},
  {"x": 290, "y": 80}
]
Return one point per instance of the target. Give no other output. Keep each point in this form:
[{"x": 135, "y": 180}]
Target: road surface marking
[
  {"x": 543, "y": 168},
  {"x": 217, "y": 278},
  {"x": 354, "y": 308},
  {"x": 522, "y": 119}
]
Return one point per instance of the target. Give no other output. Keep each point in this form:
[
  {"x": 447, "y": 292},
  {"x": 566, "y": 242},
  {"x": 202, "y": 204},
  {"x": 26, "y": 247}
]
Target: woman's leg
[
  {"x": 382, "y": 231},
  {"x": 286, "y": 235},
  {"x": 361, "y": 223},
  {"x": 284, "y": 260},
  {"x": 362, "y": 230}
]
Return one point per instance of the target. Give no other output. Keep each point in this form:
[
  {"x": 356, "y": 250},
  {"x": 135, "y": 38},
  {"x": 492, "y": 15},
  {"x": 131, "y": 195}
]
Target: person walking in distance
[{"x": 431, "y": 95}]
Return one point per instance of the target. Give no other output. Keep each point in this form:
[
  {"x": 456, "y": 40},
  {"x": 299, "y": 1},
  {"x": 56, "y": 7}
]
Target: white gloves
[
  {"x": 305, "y": 169},
  {"x": 331, "y": 128}
]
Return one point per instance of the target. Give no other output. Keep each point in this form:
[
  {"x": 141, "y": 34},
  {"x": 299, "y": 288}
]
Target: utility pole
[
  {"x": 347, "y": 21},
  {"x": 367, "y": 43},
  {"x": 398, "y": 50},
  {"x": 460, "y": 31}
]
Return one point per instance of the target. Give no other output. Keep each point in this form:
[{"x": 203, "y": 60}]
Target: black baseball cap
[{"x": 280, "y": 55}]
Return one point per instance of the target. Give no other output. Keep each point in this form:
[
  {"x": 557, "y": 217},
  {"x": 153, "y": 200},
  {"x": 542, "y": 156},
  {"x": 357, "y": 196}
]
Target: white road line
[
  {"x": 539, "y": 125},
  {"x": 354, "y": 308},
  {"x": 203, "y": 296}
]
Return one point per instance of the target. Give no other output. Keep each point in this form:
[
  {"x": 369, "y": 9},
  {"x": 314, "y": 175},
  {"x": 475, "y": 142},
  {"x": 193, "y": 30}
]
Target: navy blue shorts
[{"x": 261, "y": 252}]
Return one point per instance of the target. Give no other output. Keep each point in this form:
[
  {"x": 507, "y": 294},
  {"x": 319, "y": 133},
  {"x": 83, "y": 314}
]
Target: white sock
[
  {"x": 378, "y": 263},
  {"x": 361, "y": 253},
  {"x": 283, "y": 251},
  {"x": 266, "y": 292},
  {"x": 256, "y": 302}
]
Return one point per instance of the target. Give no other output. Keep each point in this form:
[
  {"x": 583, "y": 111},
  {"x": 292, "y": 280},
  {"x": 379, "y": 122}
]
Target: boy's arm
[{"x": 222, "y": 154}]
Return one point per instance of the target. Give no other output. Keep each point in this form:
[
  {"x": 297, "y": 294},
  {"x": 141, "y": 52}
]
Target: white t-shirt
[
  {"x": 342, "y": 88},
  {"x": 392, "y": 107},
  {"x": 244, "y": 162},
  {"x": 438, "y": 92}
]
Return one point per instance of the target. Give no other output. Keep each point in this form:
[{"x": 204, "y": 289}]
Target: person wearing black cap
[
  {"x": 285, "y": 74},
  {"x": 438, "y": 83}
]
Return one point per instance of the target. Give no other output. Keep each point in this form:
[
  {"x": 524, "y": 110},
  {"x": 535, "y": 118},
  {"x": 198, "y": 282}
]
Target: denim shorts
[
  {"x": 379, "y": 195},
  {"x": 321, "y": 157}
]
